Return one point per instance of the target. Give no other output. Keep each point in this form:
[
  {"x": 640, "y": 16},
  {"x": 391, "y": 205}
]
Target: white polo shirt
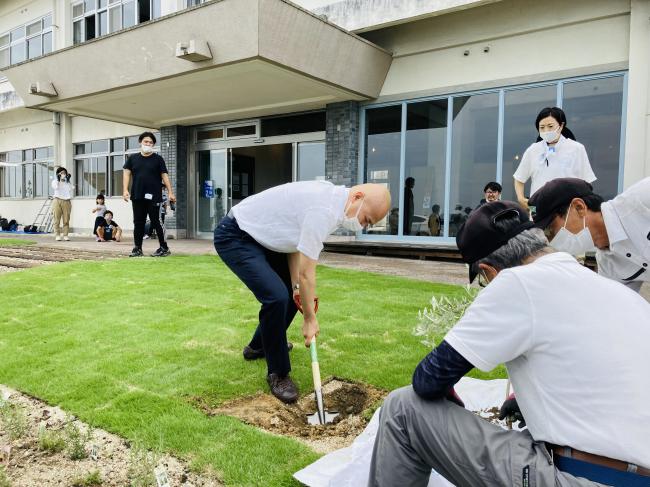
[
  {"x": 541, "y": 163},
  {"x": 576, "y": 349},
  {"x": 293, "y": 217},
  {"x": 627, "y": 221}
]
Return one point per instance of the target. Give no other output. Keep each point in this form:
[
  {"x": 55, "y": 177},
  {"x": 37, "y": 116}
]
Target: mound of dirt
[{"x": 349, "y": 399}]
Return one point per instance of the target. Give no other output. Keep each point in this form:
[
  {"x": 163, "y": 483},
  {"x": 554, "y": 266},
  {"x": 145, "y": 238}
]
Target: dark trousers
[
  {"x": 266, "y": 274},
  {"x": 99, "y": 221},
  {"x": 142, "y": 209}
]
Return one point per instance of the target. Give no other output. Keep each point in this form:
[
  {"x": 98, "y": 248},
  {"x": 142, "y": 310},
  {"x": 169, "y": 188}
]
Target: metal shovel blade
[{"x": 321, "y": 416}]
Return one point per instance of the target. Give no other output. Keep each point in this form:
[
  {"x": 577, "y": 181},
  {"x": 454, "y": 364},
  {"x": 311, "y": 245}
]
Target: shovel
[{"x": 320, "y": 416}]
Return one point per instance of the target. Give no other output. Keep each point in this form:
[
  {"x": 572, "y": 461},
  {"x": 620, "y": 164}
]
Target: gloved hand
[
  {"x": 510, "y": 409},
  {"x": 296, "y": 299},
  {"x": 455, "y": 398}
]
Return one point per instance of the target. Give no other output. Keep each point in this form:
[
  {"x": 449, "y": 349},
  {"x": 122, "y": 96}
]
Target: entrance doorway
[
  {"x": 256, "y": 168},
  {"x": 224, "y": 176}
]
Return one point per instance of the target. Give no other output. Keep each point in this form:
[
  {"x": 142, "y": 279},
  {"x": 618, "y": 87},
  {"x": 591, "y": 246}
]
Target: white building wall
[
  {"x": 14, "y": 13},
  {"x": 557, "y": 37}
]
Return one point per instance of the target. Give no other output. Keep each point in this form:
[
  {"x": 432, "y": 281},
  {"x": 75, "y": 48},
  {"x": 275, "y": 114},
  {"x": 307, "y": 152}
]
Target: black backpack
[{"x": 4, "y": 224}]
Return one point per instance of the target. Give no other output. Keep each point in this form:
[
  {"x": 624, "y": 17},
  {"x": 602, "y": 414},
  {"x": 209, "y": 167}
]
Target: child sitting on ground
[
  {"x": 99, "y": 211},
  {"x": 110, "y": 230}
]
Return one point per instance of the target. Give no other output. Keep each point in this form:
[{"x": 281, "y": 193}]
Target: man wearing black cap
[
  {"x": 576, "y": 220},
  {"x": 552, "y": 322}
]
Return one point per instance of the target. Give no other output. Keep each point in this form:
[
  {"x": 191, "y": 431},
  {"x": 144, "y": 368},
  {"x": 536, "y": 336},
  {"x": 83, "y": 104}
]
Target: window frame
[
  {"x": 501, "y": 91},
  {"x": 25, "y": 38},
  {"x": 28, "y": 160}
]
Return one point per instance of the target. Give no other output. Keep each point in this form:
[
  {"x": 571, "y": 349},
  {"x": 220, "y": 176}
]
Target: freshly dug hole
[{"x": 265, "y": 411}]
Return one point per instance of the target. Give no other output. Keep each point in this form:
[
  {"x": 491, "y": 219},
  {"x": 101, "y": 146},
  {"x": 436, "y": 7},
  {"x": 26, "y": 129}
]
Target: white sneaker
[
  {"x": 65, "y": 237},
  {"x": 57, "y": 238}
]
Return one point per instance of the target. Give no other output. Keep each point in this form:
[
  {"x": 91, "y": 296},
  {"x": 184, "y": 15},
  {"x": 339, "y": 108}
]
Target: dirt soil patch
[
  {"x": 108, "y": 458},
  {"x": 354, "y": 402}
]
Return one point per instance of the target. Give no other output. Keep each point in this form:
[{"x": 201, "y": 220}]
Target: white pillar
[{"x": 637, "y": 158}]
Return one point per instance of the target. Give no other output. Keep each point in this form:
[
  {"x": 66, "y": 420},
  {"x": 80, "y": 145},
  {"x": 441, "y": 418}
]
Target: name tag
[{"x": 148, "y": 196}]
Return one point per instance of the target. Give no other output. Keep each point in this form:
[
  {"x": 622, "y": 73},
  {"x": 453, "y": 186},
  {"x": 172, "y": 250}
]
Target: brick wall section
[
  {"x": 173, "y": 148},
  {"x": 342, "y": 142}
]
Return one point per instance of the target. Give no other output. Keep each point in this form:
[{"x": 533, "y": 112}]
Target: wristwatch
[{"x": 296, "y": 287}]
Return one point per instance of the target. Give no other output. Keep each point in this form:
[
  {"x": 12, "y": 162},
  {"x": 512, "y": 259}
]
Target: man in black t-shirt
[{"x": 147, "y": 170}]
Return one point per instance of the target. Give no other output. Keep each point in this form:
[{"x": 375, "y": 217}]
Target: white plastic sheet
[{"x": 349, "y": 467}]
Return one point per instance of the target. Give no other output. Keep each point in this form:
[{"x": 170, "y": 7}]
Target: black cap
[
  {"x": 479, "y": 236},
  {"x": 554, "y": 195}
]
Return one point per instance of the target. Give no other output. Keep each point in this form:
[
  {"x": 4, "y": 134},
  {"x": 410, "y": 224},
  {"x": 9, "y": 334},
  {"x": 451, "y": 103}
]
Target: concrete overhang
[{"x": 267, "y": 57}]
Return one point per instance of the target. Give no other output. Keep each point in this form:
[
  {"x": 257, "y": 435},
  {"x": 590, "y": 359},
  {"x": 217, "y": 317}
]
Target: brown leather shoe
[
  {"x": 253, "y": 353},
  {"x": 283, "y": 388}
]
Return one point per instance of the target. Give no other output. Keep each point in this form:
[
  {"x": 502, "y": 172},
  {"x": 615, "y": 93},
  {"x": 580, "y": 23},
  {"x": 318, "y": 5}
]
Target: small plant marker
[{"x": 161, "y": 476}]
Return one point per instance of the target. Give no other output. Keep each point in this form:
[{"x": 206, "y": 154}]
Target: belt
[{"x": 565, "y": 451}]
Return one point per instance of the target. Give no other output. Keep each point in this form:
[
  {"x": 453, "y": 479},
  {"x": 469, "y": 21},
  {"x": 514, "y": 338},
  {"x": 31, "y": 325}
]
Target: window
[
  {"x": 26, "y": 173},
  {"x": 239, "y": 131},
  {"x": 95, "y": 18},
  {"x": 26, "y": 42},
  {"x": 489, "y": 132},
  {"x": 311, "y": 161},
  {"x": 98, "y": 164},
  {"x": 383, "y": 128},
  {"x": 473, "y": 153},
  {"x": 425, "y": 163},
  {"x": 293, "y": 124}
]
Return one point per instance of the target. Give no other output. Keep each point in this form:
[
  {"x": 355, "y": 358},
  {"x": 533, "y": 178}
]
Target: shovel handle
[{"x": 315, "y": 368}]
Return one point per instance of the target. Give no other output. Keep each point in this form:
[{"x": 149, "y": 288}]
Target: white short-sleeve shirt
[
  {"x": 293, "y": 217},
  {"x": 576, "y": 348},
  {"x": 627, "y": 221},
  {"x": 542, "y": 163},
  {"x": 62, "y": 190}
]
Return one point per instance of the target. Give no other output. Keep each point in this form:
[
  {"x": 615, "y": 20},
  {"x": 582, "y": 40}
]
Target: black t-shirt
[
  {"x": 110, "y": 227},
  {"x": 146, "y": 176}
]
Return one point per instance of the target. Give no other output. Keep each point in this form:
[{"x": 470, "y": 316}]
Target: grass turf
[
  {"x": 125, "y": 343},
  {"x": 15, "y": 242}
]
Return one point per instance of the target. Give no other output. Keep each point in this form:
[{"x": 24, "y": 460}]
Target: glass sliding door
[
  {"x": 425, "y": 168},
  {"x": 211, "y": 188},
  {"x": 474, "y": 153},
  {"x": 593, "y": 109}
]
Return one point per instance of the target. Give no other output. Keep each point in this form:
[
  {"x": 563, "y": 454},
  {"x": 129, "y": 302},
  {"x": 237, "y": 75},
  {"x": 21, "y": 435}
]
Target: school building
[{"x": 248, "y": 94}]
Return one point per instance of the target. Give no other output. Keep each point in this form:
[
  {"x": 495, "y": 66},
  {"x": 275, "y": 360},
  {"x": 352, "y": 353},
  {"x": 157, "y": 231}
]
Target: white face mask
[
  {"x": 146, "y": 149},
  {"x": 573, "y": 243},
  {"x": 550, "y": 136},
  {"x": 352, "y": 223}
]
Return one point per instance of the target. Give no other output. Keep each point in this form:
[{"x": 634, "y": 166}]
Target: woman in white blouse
[
  {"x": 556, "y": 154},
  {"x": 61, "y": 204}
]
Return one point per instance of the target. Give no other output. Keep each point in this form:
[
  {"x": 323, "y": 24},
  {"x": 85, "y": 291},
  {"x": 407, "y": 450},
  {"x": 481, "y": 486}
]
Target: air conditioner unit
[
  {"x": 193, "y": 50},
  {"x": 42, "y": 89}
]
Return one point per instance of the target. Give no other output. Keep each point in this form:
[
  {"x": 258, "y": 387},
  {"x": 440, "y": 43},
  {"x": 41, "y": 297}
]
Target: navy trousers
[{"x": 266, "y": 274}]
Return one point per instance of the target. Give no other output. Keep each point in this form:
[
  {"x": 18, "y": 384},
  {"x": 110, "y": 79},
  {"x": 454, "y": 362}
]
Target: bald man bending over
[{"x": 272, "y": 241}]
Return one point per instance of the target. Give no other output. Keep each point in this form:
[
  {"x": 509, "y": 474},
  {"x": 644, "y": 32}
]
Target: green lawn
[
  {"x": 124, "y": 343},
  {"x": 15, "y": 242}
]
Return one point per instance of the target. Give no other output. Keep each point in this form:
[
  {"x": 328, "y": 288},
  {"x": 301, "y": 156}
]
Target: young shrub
[
  {"x": 4, "y": 480},
  {"x": 443, "y": 315},
  {"x": 50, "y": 441},
  {"x": 90, "y": 480},
  {"x": 141, "y": 466},
  {"x": 13, "y": 419},
  {"x": 76, "y": 441}
]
